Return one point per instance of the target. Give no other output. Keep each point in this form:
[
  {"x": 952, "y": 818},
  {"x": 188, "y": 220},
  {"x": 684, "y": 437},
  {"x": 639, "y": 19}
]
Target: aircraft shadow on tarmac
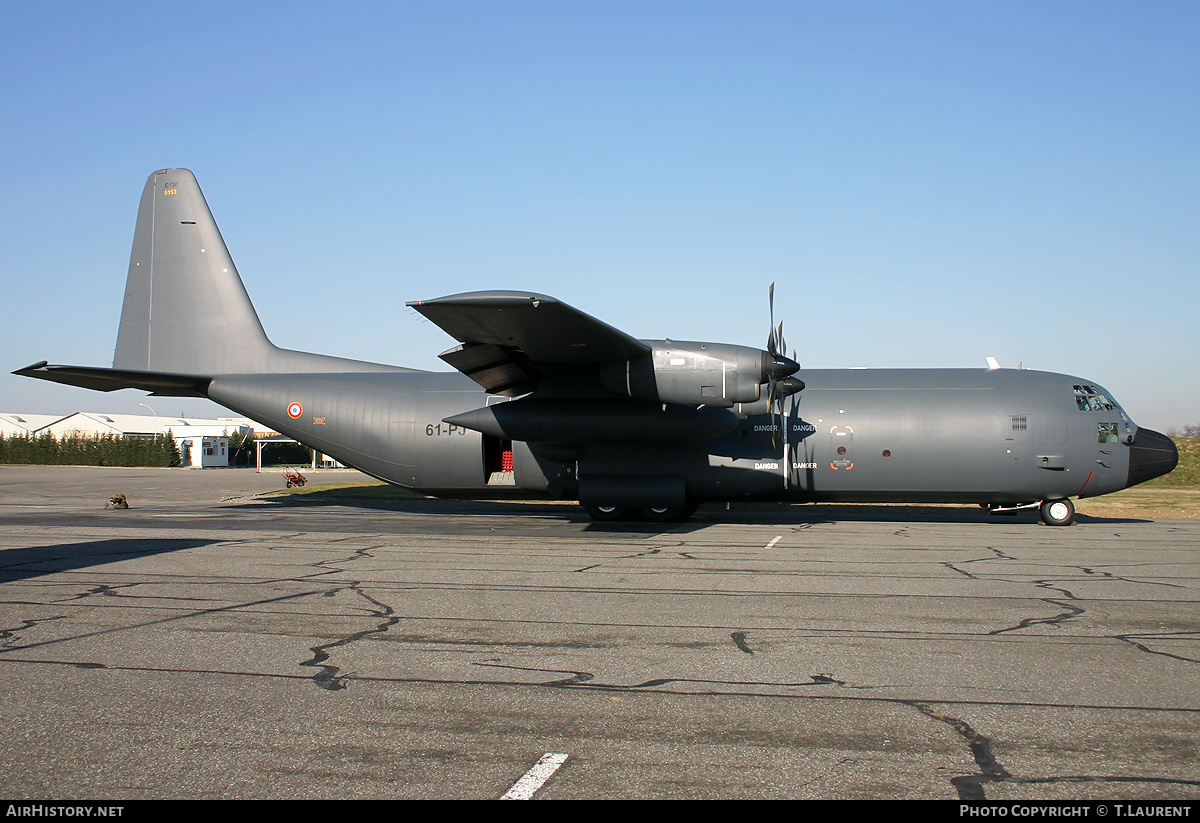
[
  {"x": 35, "y": 561},
  {"x": 741, "y": 513}
]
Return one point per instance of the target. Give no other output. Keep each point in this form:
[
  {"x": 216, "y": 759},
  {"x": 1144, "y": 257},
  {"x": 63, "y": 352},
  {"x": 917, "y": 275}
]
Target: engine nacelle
[
  {"x": 606, "y": 420},
  {"x": 688, "y": 373}
]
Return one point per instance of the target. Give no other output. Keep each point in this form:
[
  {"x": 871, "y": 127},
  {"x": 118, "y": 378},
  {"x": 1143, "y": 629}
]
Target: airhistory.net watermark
[{"x": 51, "y": 810}]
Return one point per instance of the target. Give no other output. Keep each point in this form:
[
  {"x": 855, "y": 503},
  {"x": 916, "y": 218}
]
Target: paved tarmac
[{"x": 207, "y": 643}]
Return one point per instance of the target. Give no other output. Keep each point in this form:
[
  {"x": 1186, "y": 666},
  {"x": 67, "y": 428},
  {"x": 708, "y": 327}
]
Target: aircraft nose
[{"x": 1151, "y": 455}]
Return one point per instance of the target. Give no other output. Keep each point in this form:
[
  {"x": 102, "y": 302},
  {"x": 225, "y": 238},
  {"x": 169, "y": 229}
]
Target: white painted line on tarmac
[
  {"x": 524, "y": 788},
  {"x": 773, "y": 542}
]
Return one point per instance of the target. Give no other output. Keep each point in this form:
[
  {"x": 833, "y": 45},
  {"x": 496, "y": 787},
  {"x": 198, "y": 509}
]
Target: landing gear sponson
[{"x": 1053, "y": 512}]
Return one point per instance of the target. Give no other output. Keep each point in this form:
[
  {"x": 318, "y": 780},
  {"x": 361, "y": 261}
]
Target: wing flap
[{"x": 493, "y": 367}]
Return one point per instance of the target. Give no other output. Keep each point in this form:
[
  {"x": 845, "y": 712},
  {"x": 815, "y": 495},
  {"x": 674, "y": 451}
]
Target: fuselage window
[{"x": 1107, "y": 433}]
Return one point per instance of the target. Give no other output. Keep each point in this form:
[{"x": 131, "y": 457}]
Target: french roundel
[{"x": 295, "y": 410}]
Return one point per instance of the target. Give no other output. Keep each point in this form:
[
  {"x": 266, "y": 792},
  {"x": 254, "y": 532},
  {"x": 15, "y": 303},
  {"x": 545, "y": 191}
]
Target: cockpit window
[
  {"x": 1090, "y": 398},
  {"x": 1107, "y": 433}
]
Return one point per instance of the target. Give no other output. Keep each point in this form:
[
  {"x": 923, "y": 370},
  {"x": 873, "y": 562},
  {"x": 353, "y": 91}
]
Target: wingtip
[{"x": 38, "y": 366}]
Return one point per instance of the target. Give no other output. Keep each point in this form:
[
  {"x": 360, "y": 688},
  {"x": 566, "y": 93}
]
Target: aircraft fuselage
[{"x": 1001, "y": 437}]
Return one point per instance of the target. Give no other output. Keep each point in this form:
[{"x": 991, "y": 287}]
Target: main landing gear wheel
[
  {"x": 668, "y": 514},
  {"x": 1058, "y": 512},
  {"x": 609, "y": 514}
]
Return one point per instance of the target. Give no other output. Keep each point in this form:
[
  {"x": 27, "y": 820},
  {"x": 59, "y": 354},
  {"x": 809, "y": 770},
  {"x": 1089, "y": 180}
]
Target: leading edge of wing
[{"x": 546, "y": 330}]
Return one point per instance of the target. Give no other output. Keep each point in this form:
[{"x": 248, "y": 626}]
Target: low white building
[
  {"x": 20, "y": 425},
  {"x": 204, "y": 451}
]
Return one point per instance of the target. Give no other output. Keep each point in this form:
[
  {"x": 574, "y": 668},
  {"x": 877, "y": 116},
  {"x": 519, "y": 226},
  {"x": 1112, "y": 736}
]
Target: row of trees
[
  {"x": 117, "y": 450},
  {"x": 104, "y": 450}
]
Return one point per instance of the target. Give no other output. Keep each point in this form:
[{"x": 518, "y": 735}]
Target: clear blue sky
[{"x": 927, "y": 183}]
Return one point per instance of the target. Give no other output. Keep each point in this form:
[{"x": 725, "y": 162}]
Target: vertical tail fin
[
  {"x": 187, "y": 318},
  {"x": 186, "y": 310}
]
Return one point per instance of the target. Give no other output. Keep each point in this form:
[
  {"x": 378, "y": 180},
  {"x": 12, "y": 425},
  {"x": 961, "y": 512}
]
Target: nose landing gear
[
  {"x": 1057, "y": 512},
  {"x": 1060, "y": 512}
]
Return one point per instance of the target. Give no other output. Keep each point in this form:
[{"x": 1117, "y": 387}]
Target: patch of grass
[
  {"x": 1141, "y": 501},
  {"x": 357, "y": 490},
  {"x": 1187, "y": 473}
]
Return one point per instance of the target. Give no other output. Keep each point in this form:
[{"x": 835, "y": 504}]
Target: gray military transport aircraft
[{"x": 550, "y": 402}]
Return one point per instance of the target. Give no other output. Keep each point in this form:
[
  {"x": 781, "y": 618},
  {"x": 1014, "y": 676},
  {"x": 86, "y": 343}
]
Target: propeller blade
[
  {"x": 771, "y": 347},
  {"x": 773, "y": 400},
  {"x": 793, "y": 416},
  {"x": 777, "y": 372}
]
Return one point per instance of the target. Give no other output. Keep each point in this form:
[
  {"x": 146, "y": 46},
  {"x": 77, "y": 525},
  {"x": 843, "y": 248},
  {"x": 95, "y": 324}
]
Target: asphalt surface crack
[
  {"x": 1069, "y": 612},
  {"x": 643, "y": 554},
  {"x": 1130, "y": 639},
  {"x": 828, "y": 680},
  {"x": 103, "y": 590},
  {"x": 328, "y": 677},
  {"x": 739, "y": 640},
  {"x": 1111, "y": 576},
  {"x": 970, "y": 786},
  {"x": 963, "y": 572},
  {"x": 576, "y": 678},
  {"x": 587, "y": 680},
  {"x": 10, "y": 636},
  {"x": 998, "y": 555},
  {"x": 1045, "y": 584}
]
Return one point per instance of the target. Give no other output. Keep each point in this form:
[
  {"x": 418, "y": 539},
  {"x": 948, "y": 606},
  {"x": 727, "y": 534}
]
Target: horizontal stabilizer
[{"x": 174, "y": 385}]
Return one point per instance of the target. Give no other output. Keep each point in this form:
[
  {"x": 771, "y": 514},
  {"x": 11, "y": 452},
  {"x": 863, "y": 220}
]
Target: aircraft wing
[{"x": 509, "y": 337}]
